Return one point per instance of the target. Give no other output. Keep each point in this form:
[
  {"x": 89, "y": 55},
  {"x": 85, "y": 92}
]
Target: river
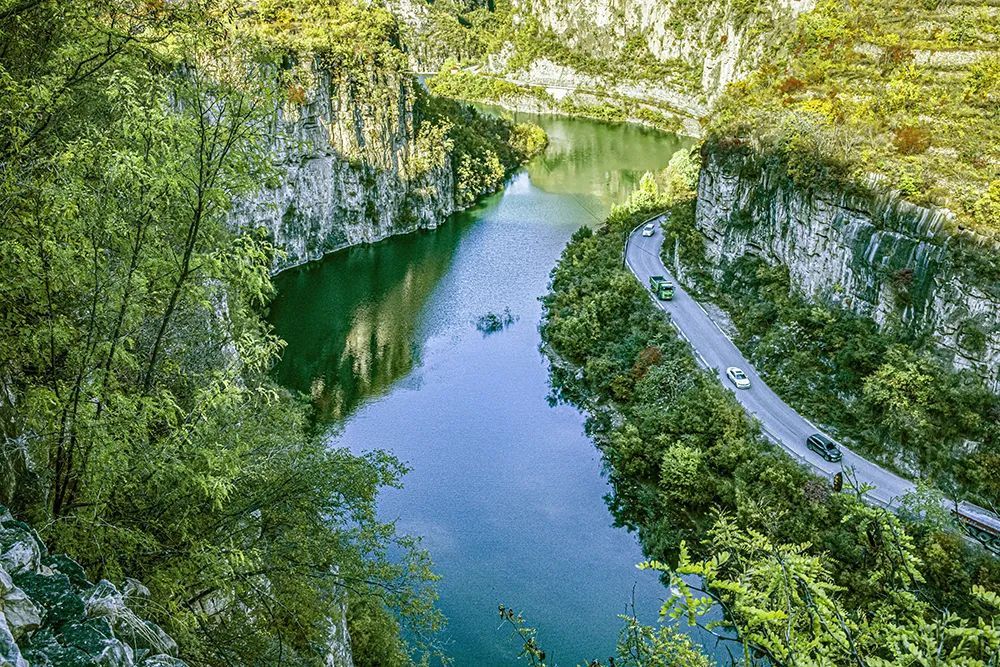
[{"x": 506, "y": 490}]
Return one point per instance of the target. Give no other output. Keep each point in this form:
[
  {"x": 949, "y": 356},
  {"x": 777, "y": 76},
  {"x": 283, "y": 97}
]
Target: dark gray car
[{"x": 824, "y": 446}]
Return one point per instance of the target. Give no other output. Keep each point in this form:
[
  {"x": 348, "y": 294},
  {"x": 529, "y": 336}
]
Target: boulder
[
  {"x": 20, "y": 551},
  {"x": 104, "y": 600},
  {"x": 22, "y": 614},
  {"x": 44, "y": 650},
  {"x": 66, "y": 565},
  {"x": 52, "y": 616},
  {"x": 55, "y": 594},
  {"x": 10, "y": 654},
  {"x": 162, "y": 661}
]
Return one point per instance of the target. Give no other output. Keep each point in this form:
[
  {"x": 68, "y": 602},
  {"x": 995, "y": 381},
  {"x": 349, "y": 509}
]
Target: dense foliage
[
  {"x": 483, "y": 149},
  {"x": 908, "y": 90},
  {"x": 679, "y": 449},
  {"x": 892, "y": 399},
  {"x": 141, "y": 431}
]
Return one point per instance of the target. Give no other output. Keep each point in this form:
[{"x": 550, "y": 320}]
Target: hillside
[
  {"x": 902, "y": 93},
  {"x": 158, "y": 161}
]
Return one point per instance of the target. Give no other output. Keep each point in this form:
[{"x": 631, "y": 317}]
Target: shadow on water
[{"x": 350, "y": 319}]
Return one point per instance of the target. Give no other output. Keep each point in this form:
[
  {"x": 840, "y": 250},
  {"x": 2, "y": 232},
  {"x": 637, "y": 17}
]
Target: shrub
[
  {"x": 296, "y": 94},
  {"x": 911, "y": 140},
  {"x": 791, "y": 85}
]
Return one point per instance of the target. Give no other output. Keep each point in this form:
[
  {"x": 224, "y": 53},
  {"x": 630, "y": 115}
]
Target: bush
[
  {"x": 910, "y": 140},
  {"x": 791, "y": 85}
]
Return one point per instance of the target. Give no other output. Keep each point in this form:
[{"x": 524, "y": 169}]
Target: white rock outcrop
[
  {"x": 353, "y": 169},
  {"x": 876, "y": 254}
]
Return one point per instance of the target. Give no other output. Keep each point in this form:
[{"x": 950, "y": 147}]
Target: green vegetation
[
  {"x": 144, "y": 436},
  {"x": 464, "y": 85},
  {"x": 886, "y": 394},
  {"x": 463, "y": 29},
  {"x": 680, "y": 451},
  {"x": 907, "y": 90},
  {"x": 483, "y": 149},
  {"x": 782, "y": 602}
]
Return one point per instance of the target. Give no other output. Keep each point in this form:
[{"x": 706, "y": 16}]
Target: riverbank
[
  {"x": 686, "y": 450},
  {"x": 573, "y": 101}
]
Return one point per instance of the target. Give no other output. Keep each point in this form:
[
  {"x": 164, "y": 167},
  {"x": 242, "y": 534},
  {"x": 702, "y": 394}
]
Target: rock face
[
  {"x": 719, "y": 41},
  {"x": 51, "y": 615},
  {"x": 876, "y": 254},
  {"x": 657, "y": 62},
  {"x": 355, "y": 168}
]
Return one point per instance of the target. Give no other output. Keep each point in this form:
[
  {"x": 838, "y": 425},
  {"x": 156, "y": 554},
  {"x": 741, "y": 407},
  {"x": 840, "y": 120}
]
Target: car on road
[
  {"x": 824, "y": 446},
  {"x": 648, "y": 229},
  {"x": 738, "y": 377}
]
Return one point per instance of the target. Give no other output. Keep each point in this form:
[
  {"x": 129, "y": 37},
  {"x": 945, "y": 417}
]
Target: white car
[
  {"x": 738, "y": 377},
  {"x": 648, "y": 229}
]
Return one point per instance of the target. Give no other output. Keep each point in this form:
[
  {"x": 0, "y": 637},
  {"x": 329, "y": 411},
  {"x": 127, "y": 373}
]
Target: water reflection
[
  {"x": 596, "y": 163},
  {"x": 505, "y": 489},
  {"x": 350, "y": 319}
]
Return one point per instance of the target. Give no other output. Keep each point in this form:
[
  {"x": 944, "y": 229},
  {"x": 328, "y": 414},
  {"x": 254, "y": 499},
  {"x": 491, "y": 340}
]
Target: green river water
[{"x": 506, "y": 490}]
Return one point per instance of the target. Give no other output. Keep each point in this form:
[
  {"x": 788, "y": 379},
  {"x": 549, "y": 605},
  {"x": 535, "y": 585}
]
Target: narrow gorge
[{"x": 324, "y": 345}]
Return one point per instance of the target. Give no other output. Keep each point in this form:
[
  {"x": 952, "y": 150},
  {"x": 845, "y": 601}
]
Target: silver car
[
  {"x": 738, "y": 377},
  {"x": 648, "y": 229}
]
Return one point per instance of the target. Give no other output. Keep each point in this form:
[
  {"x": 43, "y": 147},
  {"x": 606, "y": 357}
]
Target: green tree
[
  {"x": 137, "y": 357},
  {"x": 781, "y": 602}
]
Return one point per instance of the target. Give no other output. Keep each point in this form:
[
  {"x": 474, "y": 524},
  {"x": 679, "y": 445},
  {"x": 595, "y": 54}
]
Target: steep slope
[
  {"x": 360, "y": 151},
  {"x": 866, "y": 250},
  {"x": 354, "y": 167},
  {"x": 661, "y": 63},
  {"x": 366, "y": 155},
  {"x": 855, "y": 143},
  {"x": 51, "y": 615}
]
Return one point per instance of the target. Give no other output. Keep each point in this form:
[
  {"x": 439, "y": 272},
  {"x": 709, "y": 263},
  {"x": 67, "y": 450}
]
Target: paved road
[{"x": 715, "y": 351}]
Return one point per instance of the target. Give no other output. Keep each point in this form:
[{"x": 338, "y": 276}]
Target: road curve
[{"x": 714, "y": 350}]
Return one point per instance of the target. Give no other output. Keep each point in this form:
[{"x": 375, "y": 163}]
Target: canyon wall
[
  {"x": 658, "y": 62},
  {"x": 717, "y": 39},
  {"x": 869, "y": 251},
  {"x": 352, "y": 167}
]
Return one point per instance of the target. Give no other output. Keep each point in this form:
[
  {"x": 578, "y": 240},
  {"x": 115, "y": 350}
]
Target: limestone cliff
[
  {"x": 660, "y": 62},
  {"x": 360, "y": 155},
  {"x": 353, "y": 168},
  {"x": 719, "y": 41},
  {"x": 867, "y": 250}
]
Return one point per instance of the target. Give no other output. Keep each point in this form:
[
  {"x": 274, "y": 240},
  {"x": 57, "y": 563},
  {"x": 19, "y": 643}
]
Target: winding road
[{"x": 716, "y": 352}]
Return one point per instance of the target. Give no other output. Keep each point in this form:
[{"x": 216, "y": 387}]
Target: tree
[
  {"x": 135, "y": 349},
  {"x": 779, "y": 601}
]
